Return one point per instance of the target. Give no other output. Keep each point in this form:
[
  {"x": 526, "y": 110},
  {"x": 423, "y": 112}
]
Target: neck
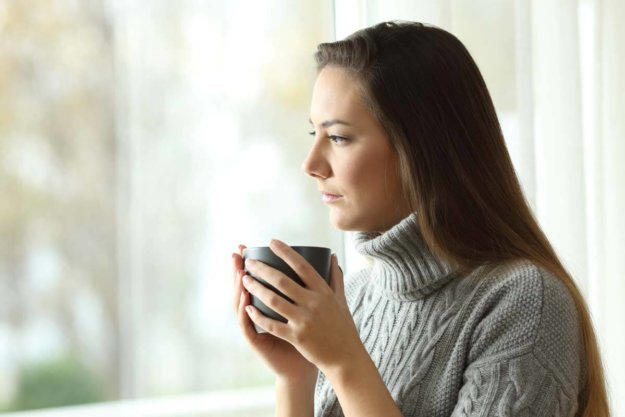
[{"x": 404, "y": 267}]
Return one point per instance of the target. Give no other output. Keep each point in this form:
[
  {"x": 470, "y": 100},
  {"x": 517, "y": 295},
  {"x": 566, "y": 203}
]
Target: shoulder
[
  {"x": 559, "y": 343},
  {"x": 526, "y": 287},
  {"x": 521, "y": 306},
  {"x": 525, "y": 321}
]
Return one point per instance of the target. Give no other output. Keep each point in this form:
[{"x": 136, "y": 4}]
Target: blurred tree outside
[
  {"x": 56, "y": 383},
  {"x": 57, "y": 206}
]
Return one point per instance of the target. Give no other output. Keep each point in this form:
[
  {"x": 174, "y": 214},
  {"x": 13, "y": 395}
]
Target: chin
[{"x": 345, "y": 223}]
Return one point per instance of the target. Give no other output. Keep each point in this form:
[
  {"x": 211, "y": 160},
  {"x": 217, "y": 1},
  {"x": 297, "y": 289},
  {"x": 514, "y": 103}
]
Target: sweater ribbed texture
[{"x": 502, "y": 342}]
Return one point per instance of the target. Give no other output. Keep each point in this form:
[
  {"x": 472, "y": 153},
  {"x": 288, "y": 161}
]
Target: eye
[
  {"x": 334, "y": 138},
  {"x": 337, "y": 139}
]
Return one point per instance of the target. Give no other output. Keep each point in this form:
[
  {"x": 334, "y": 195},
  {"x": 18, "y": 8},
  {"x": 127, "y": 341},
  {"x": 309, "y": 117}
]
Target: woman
[{"x": 466, "y": 309}]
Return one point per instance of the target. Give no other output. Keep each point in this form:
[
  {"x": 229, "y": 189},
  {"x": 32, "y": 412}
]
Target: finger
[
  {"x": 336, "y": 278},
  {"x": 236, "y": 281},
  {"x": 274, "y": 327},
  {"x": 272, "y": 300},
  {"x": 277, "y": 279},
  {"x": 246, "y": 325},
  {"x": 238, "y": 288},
  {"x": 299, "y": 264},
  {"x": 238, "y": 258},
  {"x": 237, "y": 267}
]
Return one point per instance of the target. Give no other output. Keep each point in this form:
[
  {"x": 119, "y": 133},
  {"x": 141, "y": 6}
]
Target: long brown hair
[{"x": 426, "y": 91}]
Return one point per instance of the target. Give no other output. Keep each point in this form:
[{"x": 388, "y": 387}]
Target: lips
[{"x": 328, "y": 198}]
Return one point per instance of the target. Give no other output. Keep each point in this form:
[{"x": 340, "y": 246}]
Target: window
[{"x": 141, "y": 142}]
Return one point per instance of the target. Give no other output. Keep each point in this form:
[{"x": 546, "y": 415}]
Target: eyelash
[{"x": 333, "y": 138}]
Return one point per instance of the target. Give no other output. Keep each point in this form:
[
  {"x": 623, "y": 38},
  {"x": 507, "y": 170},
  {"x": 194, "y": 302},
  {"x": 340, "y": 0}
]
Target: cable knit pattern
[{"x": 502, "y": 341}]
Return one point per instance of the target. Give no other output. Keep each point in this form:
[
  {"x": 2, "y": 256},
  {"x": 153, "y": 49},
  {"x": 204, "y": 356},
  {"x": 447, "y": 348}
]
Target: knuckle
[
  {"x": 300, "y": 338},
  {"x": 303, "y": 330},
  {"x": 308, "y": 322},
  {"x": 300, "y": 265},
  {"x": 314, "y": 304},
  {"x": 282, "y": 282},
  {"x": 269, "y": 326},
  {"x": 273, "y": 299}
]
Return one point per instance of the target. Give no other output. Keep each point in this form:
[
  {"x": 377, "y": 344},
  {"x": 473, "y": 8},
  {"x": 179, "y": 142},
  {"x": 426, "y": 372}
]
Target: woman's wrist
[
  {"x": 303, "y": 380},
  {"x": 295, "y": 396},
  {"x": 300, "y": 378},
  {"x": 348, "y": 368}
]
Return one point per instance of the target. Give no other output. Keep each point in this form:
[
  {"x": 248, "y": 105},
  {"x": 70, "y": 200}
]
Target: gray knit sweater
[{"x": 504, "y": 343}]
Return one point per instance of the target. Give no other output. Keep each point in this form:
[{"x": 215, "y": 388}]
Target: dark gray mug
[{"x": 318, "y": 257}]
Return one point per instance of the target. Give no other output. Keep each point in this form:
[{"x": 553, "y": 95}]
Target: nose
[{"x": 315, "y": 164}]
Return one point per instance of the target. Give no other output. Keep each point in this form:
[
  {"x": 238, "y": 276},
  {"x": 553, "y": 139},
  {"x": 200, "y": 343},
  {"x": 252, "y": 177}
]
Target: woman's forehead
[{"x": 336, "y": 95}]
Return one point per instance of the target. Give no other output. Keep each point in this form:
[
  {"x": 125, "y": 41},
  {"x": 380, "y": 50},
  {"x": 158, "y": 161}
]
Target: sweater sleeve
[{"x": 525, "y": 357}]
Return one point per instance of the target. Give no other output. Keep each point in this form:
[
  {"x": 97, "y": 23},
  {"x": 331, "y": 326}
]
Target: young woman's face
[{"x": 352, "y": 156}]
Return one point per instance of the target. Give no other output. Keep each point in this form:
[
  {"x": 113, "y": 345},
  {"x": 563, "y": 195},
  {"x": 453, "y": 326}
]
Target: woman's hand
[
  {"x": 320, "y": 325},
  {"x": 320, "y": 332},
  {"x": 284, "y": 359}
]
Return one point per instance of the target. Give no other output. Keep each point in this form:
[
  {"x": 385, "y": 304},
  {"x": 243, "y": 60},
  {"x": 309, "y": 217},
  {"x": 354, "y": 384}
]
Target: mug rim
[{"x": 293, "y": 247}]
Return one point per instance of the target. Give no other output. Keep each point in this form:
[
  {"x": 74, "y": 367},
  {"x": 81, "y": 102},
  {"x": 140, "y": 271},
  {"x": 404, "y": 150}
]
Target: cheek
[
  {"x": 351, "y": 176},
  {"x": 364, "y": 175}
]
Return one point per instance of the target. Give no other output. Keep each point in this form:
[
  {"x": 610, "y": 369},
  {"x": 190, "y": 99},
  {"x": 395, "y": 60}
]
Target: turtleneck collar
[{"x": 403, "y": 268}]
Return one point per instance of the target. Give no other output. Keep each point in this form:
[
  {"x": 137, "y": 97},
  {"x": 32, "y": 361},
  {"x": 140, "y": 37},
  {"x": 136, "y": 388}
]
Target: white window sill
[{"x": 218, "y": 403}]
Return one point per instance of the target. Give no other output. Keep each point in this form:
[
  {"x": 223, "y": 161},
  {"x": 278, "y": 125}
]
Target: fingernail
[
  {"x": 249, "y": 262},
  {"x": 247, "y": 280},
  {"x": 248, "y": 309}
]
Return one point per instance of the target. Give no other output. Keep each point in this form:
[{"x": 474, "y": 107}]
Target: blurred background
[{"x": 142, "y": 141}]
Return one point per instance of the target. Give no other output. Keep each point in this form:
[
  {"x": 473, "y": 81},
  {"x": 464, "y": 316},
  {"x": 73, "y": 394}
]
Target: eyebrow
[{"x": 331, "y": 122}]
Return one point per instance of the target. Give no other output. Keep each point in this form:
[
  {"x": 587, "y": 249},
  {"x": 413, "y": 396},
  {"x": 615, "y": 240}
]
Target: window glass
[{"x": 140, "y": 142}]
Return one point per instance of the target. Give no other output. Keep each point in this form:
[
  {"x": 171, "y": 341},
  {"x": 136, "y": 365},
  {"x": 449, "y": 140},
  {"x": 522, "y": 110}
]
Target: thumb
[{"x": 336, "y": 278}]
